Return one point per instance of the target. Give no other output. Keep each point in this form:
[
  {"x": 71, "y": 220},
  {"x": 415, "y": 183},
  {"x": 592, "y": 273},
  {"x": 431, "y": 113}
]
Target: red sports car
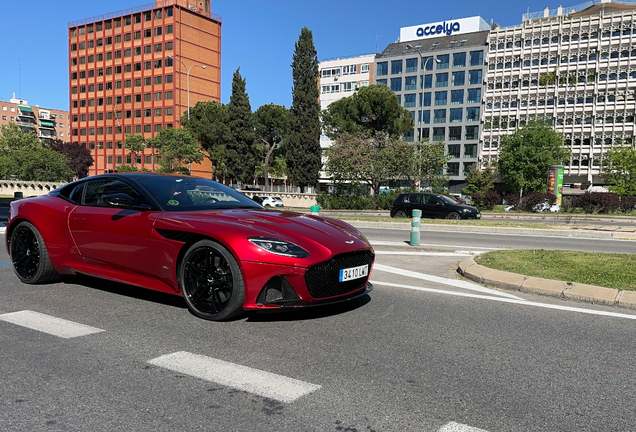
[{"x": 184, "y": 235}]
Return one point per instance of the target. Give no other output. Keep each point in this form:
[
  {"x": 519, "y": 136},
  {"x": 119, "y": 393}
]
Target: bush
[
  {"x": 533, "y": 199},
  {"x": 486, "y": 200},
  {"x": 628, "y": 203},
  {"x": 513, "y": 199},
  {"x": 597, "y": 202},
  {"x": 340, "y": 201}
]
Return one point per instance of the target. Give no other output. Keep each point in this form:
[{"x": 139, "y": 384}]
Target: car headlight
[
  {"x": 279, "y": 247},
  {"x": 466, "y": 210}
]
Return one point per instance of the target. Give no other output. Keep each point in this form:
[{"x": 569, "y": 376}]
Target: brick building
[
  {"x": 128, "y": 73},
  {"x": 47, "y": 123}
]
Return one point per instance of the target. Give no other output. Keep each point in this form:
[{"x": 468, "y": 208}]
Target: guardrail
[{"x": 289, "y": 199}]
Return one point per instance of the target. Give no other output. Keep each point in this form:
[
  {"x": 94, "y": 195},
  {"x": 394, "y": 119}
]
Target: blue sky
[{"x": 258, "y": 36}]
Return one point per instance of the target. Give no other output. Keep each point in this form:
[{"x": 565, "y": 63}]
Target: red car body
[{"x": 146, "y": 246}]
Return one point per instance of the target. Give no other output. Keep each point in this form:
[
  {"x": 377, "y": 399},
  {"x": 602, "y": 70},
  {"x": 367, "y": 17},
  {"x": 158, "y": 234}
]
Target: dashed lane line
[
  {"x": 262, "y": 383},
  {"x": 405, "y": 244},
  {"x": 440, "y": 280},
  {"x": 48, "y": 324},
  {"x": 448, "y": 254},
  {"x": 458, "y": 427}
]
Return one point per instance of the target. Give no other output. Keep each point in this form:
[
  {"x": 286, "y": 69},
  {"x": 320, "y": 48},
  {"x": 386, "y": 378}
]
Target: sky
[{"x": 257, "y": 36}]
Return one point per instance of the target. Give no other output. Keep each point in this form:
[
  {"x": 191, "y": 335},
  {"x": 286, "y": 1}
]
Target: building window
[
  {"x": 410, "y": 83},
  {"x": 474, "y": 95},
  {"x": 476, "y": 58},
  {"x": 439, "y": 116},
  {"x": 452, "y": 168},
  {"x": 409, "y": 100},
  {"x": 169, "y": 29},
  {"x": 441, "y": 80},
  {"x": 472, "y": 132},
  {"x": 411, "y": 65},
  {"x": 454, "y": 134},
  {"x": 396, "y": 67},
  {"x": 383, "y": 68},
  {"x": 439, "y": 134},
  {"x": 459, "y": 59},
  {"x": 458, "y": 78},
  {"x": 158, "y": 31},
  {"x": 441, "y": 98},
  {"x": 381, "y": 81},
  {"x": 470, "y": 151},
  {"x": 443, "y": 61},
  {"x": 456, "y": 115},
  {"x": 457, "y": 97},
  {"x": 396, "y": 84}
]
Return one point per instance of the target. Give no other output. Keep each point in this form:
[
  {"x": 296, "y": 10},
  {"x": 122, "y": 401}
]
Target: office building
[
  {"x": 132, "y": 72},
  {"x": 437, "y": 72},
  {"x": 48, "y": 123},
  {"x": 575, "y": 66}
]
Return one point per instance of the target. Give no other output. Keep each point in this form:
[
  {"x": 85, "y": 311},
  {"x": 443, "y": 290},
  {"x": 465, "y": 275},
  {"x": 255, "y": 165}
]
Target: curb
[{"x": 554, "y": 288}]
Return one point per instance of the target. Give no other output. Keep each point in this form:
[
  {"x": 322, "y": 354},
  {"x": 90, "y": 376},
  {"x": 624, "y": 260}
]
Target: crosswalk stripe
[
  {"x": 232, "y": 375},
  {"x": 49, "y": 324},
  {"x": 458, "y": 427}
]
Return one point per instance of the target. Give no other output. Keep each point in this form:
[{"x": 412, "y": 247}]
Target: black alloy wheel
[
  {"x": 212, "y": 282},
  {"x": 453, "y": 215},
  {"x": 29, "y": 256},
  {"x": 400, "y": 214}
]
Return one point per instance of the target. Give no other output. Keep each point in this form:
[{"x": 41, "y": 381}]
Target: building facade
[
  {"x": 438, "y": 73},
  {"x": 339, "y": 78},
  {"x": 49, "y": 124},
  {"x": 132, "y": 72},
  {"x": 575, "y": 66}
]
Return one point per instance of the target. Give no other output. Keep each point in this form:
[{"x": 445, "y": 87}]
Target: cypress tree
[
  {"x": 303, "y": 136},
  {"x": 239, "y": 160}
]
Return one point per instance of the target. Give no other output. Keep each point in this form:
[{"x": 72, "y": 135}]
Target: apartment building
[
  {"x": 49, "y": 124},
  {"x": 575, "y": 66},
  {"x": 437, "y": 71},
  {"x": 341, "y": 77},
  {"x": 134, "y": 71}
]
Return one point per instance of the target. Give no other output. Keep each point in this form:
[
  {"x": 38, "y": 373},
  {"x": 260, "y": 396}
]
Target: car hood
[
  {"x": 464, "y": 206},
  {"x": 319, "y": 235}
]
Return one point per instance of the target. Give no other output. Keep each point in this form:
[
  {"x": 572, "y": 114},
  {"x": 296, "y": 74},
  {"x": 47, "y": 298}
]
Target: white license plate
[{"x": 354, "y": 273}]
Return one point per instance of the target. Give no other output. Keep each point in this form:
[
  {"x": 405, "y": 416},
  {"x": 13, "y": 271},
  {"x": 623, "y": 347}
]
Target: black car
[{"x": 432, "y": 206}]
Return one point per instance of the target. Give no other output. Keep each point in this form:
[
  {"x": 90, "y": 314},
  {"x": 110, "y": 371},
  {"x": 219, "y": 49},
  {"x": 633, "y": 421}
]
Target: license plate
[
  {"x": 478, "y": 216},
  {"x": 354, "y": 273}
]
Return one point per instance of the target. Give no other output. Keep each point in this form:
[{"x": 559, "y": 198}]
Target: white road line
[
  {"x": 458, "y": 427},
  {"x": 49, "y": 324},
  {"x": 450, "y": 254},
  {"x": 239, "y": 377},
  {"x": 506, "y": 300},
  {"x": 445, "y": 281},
  {"x": 405, "y": 244}
]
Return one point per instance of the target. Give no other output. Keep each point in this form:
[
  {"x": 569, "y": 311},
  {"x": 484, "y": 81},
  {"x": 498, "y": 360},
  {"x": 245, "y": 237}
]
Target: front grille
[{"x": 322, "y": 279}]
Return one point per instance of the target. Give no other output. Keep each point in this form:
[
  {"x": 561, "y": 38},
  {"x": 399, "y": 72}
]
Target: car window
[
  {"x": 76, "y": 193},
  {"x": 415, "y": 198},
  {"x": 430, "y": 199},
  {"x": 96, "y": 190}
]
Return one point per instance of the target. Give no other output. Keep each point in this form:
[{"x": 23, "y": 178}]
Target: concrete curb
[
  {"x": 612, "y": 233},
  {"x": 559, "y": 289}
]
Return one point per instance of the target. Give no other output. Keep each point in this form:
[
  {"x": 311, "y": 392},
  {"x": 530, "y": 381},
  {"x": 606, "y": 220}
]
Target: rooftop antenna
[{"x": 377, "y": 36}]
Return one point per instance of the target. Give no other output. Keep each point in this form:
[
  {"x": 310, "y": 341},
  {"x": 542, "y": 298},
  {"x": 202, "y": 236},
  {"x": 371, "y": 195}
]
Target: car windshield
[
  {"x": 191, "y": 193},
  {"x": 447, "y": 200}
]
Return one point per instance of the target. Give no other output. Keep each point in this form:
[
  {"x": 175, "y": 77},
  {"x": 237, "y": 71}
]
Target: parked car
[
  {"x": 191, "y": 237},
  {"x": 432, "y": 206},
  {"x": 272, "y": 201},
  {"x": 257, "y": 199}
]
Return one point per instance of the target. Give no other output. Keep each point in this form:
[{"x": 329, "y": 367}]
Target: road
[{"x": 425, "y": 351}]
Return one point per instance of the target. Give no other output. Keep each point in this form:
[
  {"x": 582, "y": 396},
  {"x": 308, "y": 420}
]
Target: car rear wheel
[
  {"x": 29, "y": 256},
  {"x": 212, "y": 282},
  {"x": 400, "y": 214},
  {"x": 453, "y": 215}
]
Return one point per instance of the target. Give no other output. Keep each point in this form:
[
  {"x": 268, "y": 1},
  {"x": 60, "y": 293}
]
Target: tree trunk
[{"x": 270, "y": 150}]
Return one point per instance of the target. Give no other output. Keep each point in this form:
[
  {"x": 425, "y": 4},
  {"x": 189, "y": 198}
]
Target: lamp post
[
  {"x": 187, "y": 78},
  {"x": 409, "y": 46}
]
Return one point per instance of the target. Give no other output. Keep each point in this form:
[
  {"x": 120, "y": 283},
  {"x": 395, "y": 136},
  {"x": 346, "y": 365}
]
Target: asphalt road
[{"x": 425, "y": 351}]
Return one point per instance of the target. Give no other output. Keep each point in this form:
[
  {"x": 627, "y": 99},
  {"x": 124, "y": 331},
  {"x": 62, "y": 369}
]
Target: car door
[
  {"x": 112, "y": 236},
  {"x": 435, "y": 206}
]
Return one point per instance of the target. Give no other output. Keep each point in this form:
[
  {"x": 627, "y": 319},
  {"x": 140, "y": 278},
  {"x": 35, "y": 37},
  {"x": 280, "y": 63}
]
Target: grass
[
  {"x": 470, "y": 222},
  {"x": 600, "y": 269}
]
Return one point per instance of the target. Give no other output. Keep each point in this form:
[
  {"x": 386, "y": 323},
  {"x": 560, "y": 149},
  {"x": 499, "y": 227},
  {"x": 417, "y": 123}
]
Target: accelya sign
[{"x": 443, "y": 28}]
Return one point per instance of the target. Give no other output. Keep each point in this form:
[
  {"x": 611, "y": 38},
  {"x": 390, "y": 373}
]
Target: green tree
[
  {"x": 429, "y": 163},
  {"x": 370, "y": 110},
  {"x": 177, "y": 150},
  {"x": 270, "y": 124},
  {"x": 526, "y": 154},
  {"x": 239, "y": 154},
  {"x": 480, "y": 181},
  {"x": 362, "y": 159},
  {"x": 303, "y": 153},
  {"x": 209, "y": 125},
  {"x": 135, "y": 144},
  {"x": 24, "y": 156},
  {"x": 79, "y": 156},
  {"x": 619, "y": 170}
]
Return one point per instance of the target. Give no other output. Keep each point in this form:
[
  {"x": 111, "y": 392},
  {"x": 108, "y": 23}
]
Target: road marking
[
  {"x": 49, "y": 324},
  {"x": 450, "y": 254},
  {"x": 507, "y": 300},
  {"x": 405, "y": 244},
  {"x": 458, "y": 427},
  {"x": 265, "y": 384},
  {"x": 5, "y": 263},
  {"x": 445, "y": 281}
]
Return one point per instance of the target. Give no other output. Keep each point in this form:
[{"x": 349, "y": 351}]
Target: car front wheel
[
  {"x": 453, "y": 215},
  {"x": 212, "y": 282},
  {"x": 29, "y": 256},
  {"x": 400, "y": 214}
]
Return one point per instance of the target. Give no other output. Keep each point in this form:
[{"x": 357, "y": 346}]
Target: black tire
[
  {"x": 453, "y": 216},
  {"x": 31, "y": 262},
  {"x": 212, "y": 282},
  {"x": 400, "y": 214}
]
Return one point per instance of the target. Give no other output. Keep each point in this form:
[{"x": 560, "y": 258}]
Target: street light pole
[
  {"x": 423, "y": 63},
  {"x": 188, "y": 69}
]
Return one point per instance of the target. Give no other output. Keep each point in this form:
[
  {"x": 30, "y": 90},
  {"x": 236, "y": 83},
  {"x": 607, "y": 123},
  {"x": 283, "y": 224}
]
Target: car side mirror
[{"x": 123, "y": 200}]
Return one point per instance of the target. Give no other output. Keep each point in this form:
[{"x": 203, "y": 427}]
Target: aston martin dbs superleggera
[{"x": 187, "y": 236}]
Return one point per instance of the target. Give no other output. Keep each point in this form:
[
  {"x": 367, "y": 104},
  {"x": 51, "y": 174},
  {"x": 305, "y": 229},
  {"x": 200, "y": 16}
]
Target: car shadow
[
  {"x": 123, "y": 289},
  {"x": 308, "y": 313}
]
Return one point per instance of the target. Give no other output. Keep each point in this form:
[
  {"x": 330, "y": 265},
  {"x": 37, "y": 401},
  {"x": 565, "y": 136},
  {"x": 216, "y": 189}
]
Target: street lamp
[
  {"x": 438, "y": 61},
  {"x": 187, "y": 78}
]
